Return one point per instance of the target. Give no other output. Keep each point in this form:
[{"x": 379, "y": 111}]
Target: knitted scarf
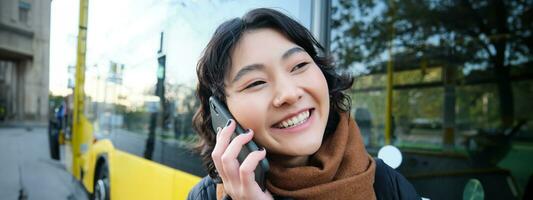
[{"x": 340, "y": 169}]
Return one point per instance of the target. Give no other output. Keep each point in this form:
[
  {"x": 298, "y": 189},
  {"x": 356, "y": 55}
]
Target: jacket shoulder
[
  {"x": 203, "y": 190},
  {"x": 389, "y": 184}
]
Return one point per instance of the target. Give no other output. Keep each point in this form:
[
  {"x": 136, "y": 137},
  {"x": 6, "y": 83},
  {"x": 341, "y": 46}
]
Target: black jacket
[{"x": 388, "y": 184}]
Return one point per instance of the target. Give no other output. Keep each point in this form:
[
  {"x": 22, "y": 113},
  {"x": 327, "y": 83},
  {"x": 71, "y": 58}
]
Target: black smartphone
[{"x": 219, "y": 117}]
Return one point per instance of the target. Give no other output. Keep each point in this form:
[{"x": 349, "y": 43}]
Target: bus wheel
[{"x": 101, "y": 184}]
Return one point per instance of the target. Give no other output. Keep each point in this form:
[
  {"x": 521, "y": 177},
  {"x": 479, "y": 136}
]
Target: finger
[
  {"x": 222, "y": 140},
  {"x": 229, "y": 158},
  {"x": 236, "y": 145},
  {"x": 247, "y": 168},
  {"x": 268, "y": 195},
  {"x": 223, "y": 137}
]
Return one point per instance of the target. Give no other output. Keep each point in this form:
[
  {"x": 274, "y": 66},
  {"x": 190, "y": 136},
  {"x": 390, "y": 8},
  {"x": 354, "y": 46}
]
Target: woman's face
[{"x": 276, "y": 89}]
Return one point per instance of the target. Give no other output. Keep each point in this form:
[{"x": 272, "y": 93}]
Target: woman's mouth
[{"x": 295, "y": 120}]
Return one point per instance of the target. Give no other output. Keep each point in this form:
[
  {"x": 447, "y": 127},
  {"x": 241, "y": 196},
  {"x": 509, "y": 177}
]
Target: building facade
[{"x": 24, "y": 59}]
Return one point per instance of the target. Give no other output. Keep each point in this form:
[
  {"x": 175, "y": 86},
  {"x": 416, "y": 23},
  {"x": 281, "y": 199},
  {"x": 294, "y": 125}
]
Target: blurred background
[{"x": 447, "y": 82}]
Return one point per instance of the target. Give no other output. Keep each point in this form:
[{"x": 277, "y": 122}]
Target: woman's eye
[
  {"x": 298, "y": 66},
  {"x": 256, "y": 83}
]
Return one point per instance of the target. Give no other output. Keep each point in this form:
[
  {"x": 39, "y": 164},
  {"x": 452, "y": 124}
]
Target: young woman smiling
[{"x": 265, "y": 67}]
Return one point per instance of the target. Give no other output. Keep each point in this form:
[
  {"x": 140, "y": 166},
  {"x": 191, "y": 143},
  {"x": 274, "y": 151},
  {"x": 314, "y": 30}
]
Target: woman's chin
[{"x": 298, "y": 149}]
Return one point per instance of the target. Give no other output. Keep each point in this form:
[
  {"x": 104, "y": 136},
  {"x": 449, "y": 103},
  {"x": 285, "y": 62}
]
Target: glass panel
[
  {"x": 128, "y": 68},
  {"x": 462, "y": 87}
]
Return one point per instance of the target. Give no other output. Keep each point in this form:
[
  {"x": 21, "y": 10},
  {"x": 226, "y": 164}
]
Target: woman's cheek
[{"x": 247, "y": 111}]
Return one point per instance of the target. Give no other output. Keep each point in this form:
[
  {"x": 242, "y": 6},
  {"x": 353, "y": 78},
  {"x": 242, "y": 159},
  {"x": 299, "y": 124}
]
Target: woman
[{"x": 266, "y": 68}]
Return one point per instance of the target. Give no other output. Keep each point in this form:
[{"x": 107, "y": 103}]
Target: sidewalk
[
  {"x": 23, "y": 124},
  {"x": 27, "y": 172}
]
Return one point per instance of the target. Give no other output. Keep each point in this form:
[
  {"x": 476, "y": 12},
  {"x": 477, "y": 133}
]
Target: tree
[{"x": 489, "y": 35}]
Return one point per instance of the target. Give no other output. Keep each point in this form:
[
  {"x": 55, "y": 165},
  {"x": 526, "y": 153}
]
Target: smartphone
[{"x": 219, "y": 117}]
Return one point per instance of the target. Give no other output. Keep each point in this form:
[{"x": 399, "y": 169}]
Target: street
[{"x": 28, "y": 172}]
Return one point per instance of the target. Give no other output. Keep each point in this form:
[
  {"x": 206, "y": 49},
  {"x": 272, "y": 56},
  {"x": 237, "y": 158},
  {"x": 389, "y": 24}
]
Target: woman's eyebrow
[
  {"x": 291, "y": 51},
  {"x": 246, "y": 70}
]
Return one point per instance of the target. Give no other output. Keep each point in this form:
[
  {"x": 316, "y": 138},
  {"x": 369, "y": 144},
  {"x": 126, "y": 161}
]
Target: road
[{"x": 26, "y": 170}]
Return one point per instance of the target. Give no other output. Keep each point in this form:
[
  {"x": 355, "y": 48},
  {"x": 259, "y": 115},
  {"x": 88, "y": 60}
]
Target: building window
[{"x": 24, "y": 12}]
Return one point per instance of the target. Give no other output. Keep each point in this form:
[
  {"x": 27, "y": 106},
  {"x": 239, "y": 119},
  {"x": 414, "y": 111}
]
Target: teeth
[
  {"x": 296, "y": 120},
  {"x": 293, "y": 121}
]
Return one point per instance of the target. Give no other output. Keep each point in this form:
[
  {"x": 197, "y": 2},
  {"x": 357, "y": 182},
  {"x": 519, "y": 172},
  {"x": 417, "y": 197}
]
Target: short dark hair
[{"x": 216, "y": 62}]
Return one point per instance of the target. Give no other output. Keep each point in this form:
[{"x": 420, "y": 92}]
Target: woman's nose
[{"x": 287, "y": 93}]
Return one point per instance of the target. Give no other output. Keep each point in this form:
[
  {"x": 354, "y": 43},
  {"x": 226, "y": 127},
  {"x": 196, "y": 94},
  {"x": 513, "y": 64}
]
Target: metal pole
[
  {"x": 320, "y": 23},
  {"x": 160, "y": 92},
  {"x": 448, "y": 138},
  {"x": 79, "y": 93},
  {"x": 388, "y": 103}
]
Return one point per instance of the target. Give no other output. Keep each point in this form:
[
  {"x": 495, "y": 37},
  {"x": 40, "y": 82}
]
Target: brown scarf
[{"x": 340, "y": 169}]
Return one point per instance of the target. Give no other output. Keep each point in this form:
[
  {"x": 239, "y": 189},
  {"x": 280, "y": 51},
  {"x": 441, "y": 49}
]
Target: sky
[{"x": 128, "y": 32}]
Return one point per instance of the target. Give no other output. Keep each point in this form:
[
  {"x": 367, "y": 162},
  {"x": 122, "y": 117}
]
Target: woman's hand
[{"x": 239, "y": 180}]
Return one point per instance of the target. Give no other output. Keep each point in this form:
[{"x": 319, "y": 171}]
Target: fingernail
[
  {"x": 261, "y": 149},
  {"x": 228, "y": 123},
  {"x": 248, "y": 131}
]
